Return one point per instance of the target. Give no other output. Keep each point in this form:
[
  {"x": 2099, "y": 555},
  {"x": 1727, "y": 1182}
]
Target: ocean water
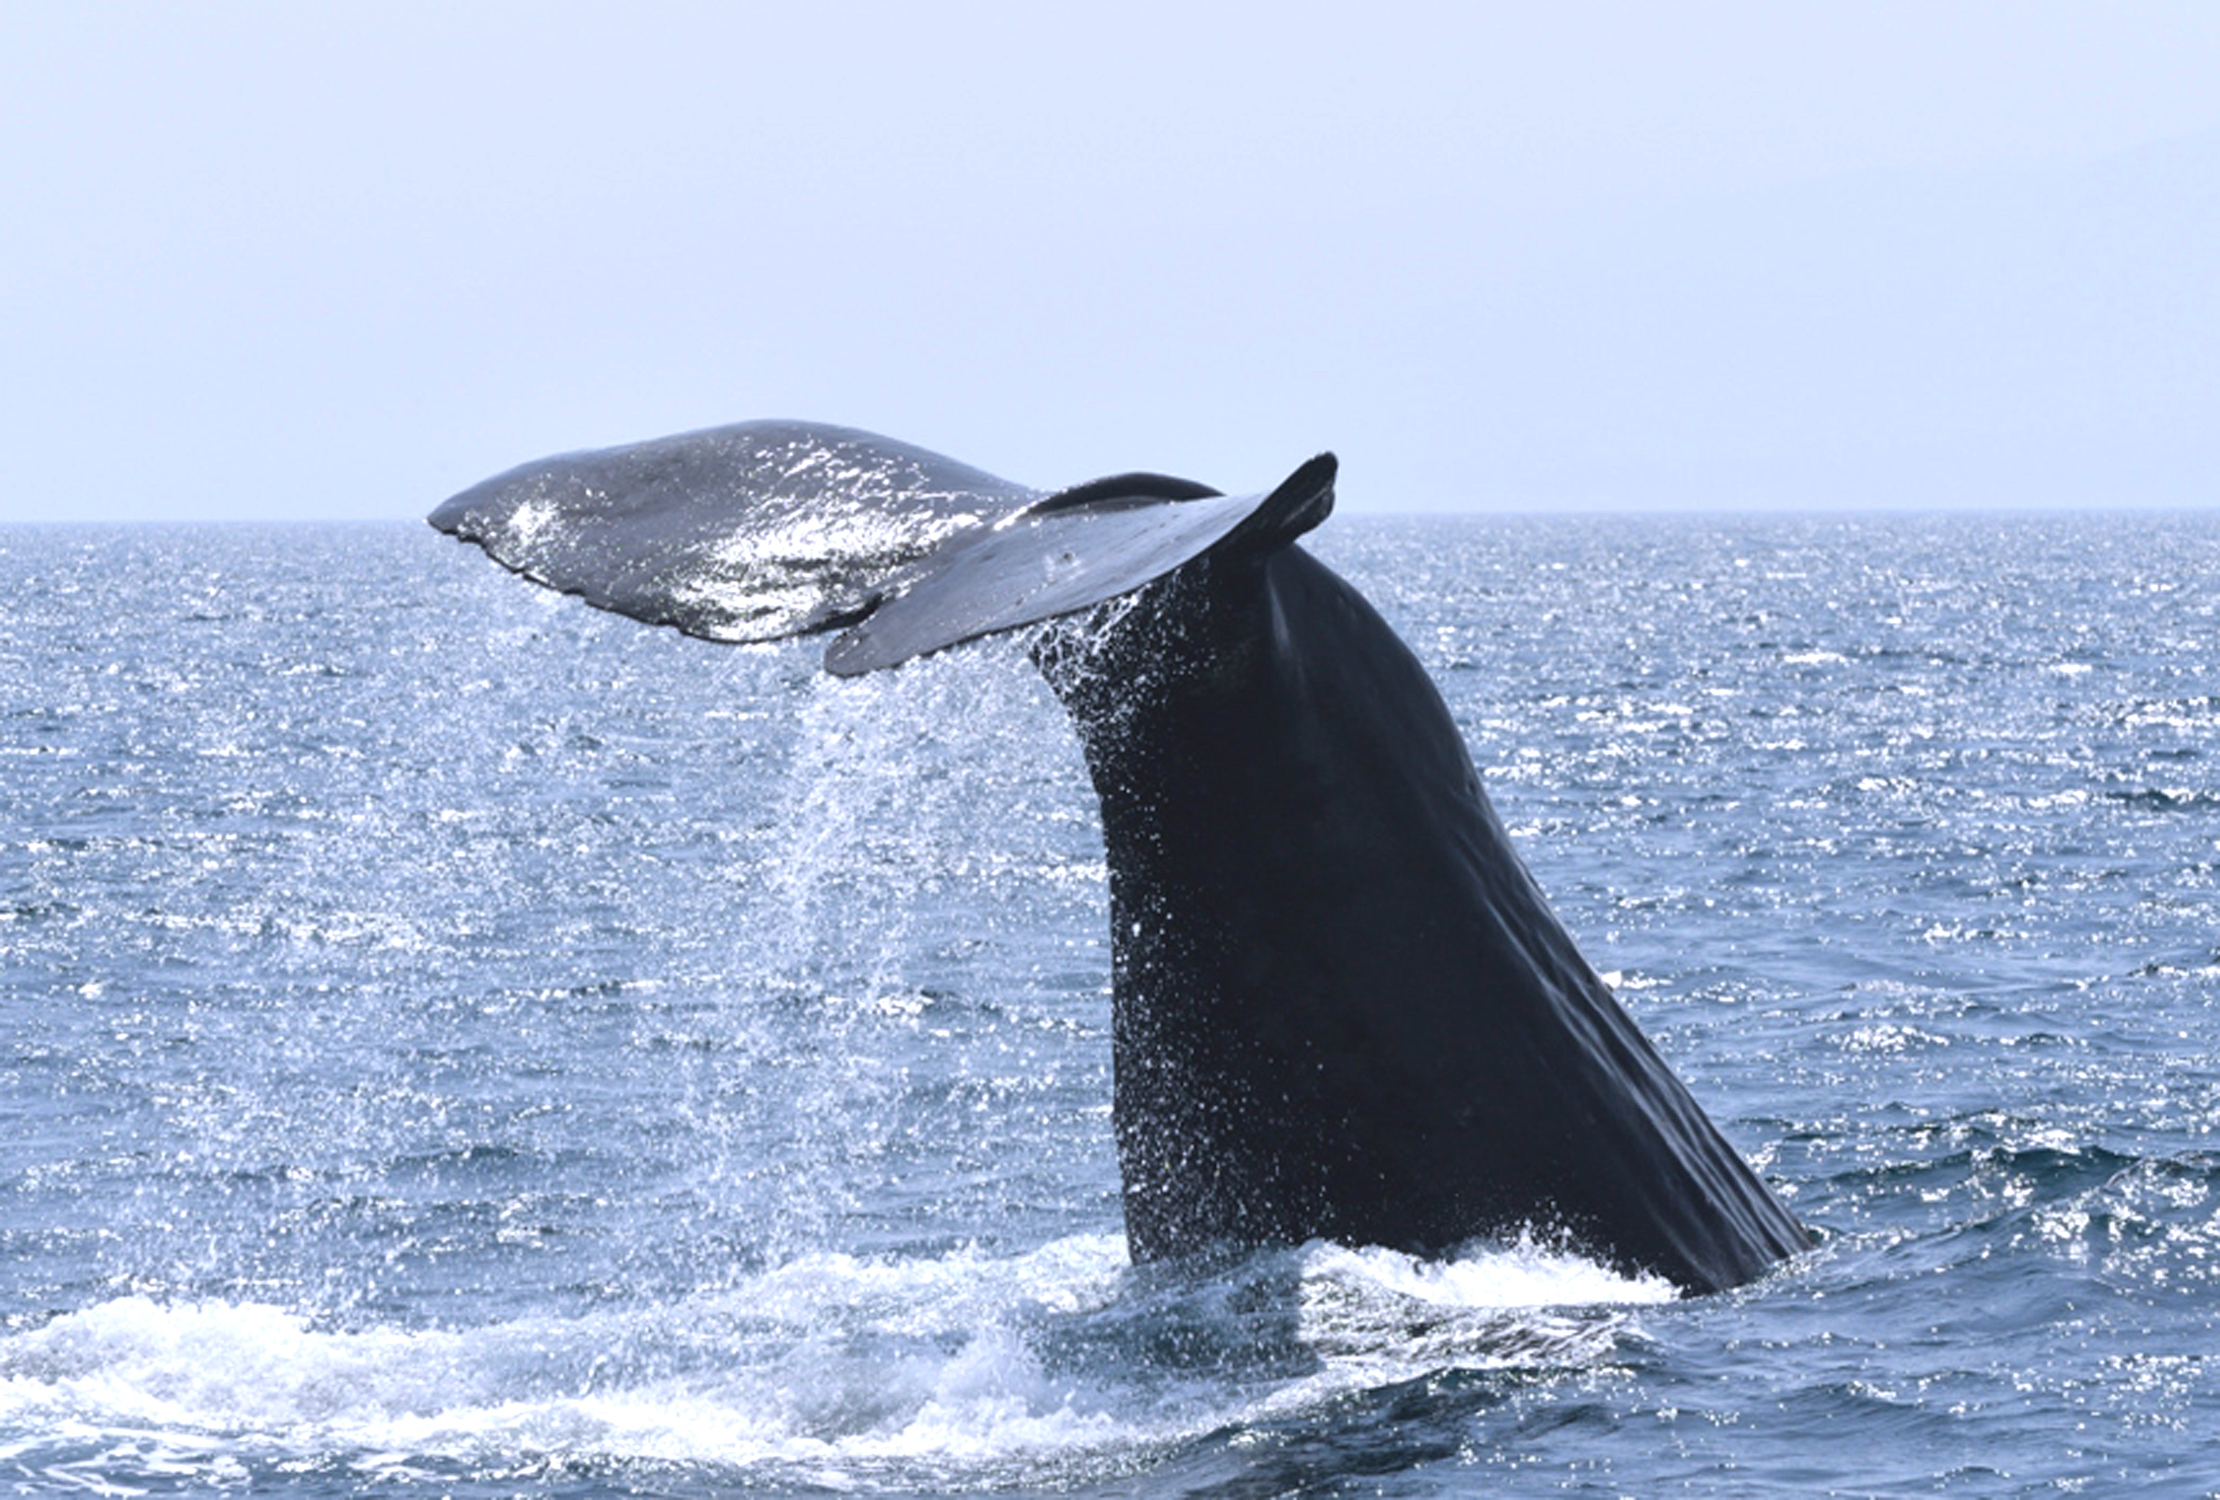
[{"x": 458, "y": 1043}]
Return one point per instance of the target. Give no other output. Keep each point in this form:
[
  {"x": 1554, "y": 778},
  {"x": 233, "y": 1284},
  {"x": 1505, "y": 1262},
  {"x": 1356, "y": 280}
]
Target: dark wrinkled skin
[{"x": 1343, "y": 1008}]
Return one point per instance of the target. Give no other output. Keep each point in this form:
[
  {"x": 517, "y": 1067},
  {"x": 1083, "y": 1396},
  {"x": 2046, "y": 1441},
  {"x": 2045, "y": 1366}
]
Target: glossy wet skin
[{"x": 1344, "y": 1009}]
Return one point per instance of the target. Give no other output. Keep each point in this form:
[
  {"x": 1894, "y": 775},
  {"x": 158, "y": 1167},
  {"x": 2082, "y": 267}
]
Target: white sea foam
[
  {"x": 831, "y": 1369},
  {"x": 1525, "y": 1273}
]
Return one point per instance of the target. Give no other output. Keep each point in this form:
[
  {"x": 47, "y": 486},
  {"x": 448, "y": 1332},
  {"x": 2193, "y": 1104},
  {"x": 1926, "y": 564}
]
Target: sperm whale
[{"x": 1341, "y": 1006}]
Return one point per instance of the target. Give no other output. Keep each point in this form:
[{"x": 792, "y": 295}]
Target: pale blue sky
[{"x": 268, "y": 261}]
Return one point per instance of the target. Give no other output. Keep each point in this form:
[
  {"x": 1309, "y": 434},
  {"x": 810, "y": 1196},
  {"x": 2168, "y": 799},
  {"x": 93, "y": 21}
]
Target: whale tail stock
[{"x": 1341, "y": 1006}]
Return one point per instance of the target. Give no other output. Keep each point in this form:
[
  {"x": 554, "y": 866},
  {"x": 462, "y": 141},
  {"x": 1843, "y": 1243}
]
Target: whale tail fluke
[
  {"x": 1341, "y": 1007},
  {"x": 1303, "y": 500},
  {"x": 1071, "y": 550},
  {"x": 763, "y": 530},
  {"x": 750, "y": 532}
]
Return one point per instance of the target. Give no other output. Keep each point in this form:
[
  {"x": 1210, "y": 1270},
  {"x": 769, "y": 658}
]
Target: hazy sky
[{"x": 342, "y": 260}]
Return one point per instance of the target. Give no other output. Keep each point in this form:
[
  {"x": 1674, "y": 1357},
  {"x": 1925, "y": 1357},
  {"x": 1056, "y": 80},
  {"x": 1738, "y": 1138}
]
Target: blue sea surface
[{"x": 459, "y": 1043}]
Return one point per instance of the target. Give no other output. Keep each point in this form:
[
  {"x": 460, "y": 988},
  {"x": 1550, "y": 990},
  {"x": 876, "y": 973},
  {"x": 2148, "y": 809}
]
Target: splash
[{"x": 833, "y": 1369}]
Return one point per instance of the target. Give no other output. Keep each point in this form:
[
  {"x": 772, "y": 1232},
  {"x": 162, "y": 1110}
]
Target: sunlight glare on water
[{"x": 461, "y": 1043}]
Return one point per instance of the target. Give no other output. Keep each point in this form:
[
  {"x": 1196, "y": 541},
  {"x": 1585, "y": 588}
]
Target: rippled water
[{"x": 458, "y": 1043}]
